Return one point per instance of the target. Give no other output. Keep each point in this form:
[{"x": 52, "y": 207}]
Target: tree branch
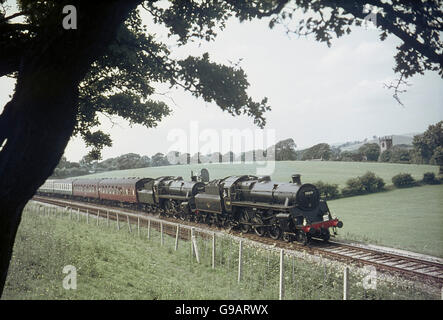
[{"x": 12, "y": 16}]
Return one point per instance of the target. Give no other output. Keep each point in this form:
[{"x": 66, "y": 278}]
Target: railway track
[{"x": 410, "y": 267}]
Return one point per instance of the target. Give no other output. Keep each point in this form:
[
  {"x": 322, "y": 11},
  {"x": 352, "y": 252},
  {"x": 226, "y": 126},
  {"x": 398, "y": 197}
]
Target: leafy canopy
[{"x": 122, "y": 82}]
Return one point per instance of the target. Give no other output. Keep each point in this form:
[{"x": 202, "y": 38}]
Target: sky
[{"x": 317, "y": 94}]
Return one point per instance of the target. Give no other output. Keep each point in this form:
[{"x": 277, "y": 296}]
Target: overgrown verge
[{"x": 115, "y": 264}]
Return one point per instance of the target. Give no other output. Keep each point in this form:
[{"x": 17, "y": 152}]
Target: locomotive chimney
[{"x": 296, "y": 178}]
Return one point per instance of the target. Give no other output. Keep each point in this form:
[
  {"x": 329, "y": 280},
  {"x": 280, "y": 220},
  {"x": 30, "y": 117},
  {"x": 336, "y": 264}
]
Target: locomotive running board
[{"x": 260, "y": 205}]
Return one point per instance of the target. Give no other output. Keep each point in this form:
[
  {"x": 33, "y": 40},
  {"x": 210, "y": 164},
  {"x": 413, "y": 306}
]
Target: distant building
[{"x": 385, "y": 143}]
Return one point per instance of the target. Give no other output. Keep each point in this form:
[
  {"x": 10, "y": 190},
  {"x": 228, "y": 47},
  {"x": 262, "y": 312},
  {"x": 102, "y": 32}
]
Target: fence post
[
  {"x": 194, "y": 244},
  {"x": 118, "y": 223},
  {"x": 87, "y": 216},
  {"x": 240, "y": 254},
  {"x": 282, "y": 270},
  {"x": 98, "y": 215},
  {"x": 78, "y": 214},
  {"x": 345, "y": 283},
  {"x": 161, "y": 233},
  {"x": 129, "y": 224},
  {"x": 213, "y": 250},
  {"x": 176, "y": 237},
  {"x": 70, "y": 213},
  {"x": 107, "y": 218},
  {"x": 149, "y": 229},
  {"x": 138, "y": 226}
]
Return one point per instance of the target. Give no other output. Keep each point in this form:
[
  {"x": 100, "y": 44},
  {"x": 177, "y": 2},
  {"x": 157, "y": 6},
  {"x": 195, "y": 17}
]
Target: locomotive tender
[{"x": 292, "y": 211}]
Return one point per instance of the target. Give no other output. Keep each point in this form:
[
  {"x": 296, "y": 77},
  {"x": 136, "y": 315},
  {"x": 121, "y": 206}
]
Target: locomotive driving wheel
[
  {"x": 303, "y": 238},
  {"x": 325, "y": 235},
  {"x": 257, "y": 220},
  {"x": 244, "y": 222},
  {"x": 275, "y": 232},
  {"x": 288, "y": 237}
]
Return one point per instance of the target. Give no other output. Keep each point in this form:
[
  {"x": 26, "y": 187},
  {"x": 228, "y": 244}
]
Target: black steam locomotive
[{"x": 292, "y": 211}]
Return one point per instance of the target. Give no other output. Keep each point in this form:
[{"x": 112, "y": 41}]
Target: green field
[
  {"x": 409, "y": 218},
  {"x": 115, "y": 264},
  {"x": 328, "y": 171}
]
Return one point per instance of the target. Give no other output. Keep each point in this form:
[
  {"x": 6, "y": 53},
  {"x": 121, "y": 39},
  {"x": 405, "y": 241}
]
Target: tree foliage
[
  {"x": 403, "y": 180},
  {"x": 429, "y": 145},
  {"x": 285, "y": 150},
  {"x": 122, "y": 81},
  {"x": 370, "y": 150},
  {"x": 319, "y": 151},
  {"x": 367, "y": 183}
]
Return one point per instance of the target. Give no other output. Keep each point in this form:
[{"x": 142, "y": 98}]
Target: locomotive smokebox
[{"x": 296, "y": 178}]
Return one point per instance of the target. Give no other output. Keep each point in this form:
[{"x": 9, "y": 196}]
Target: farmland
[{"x": 410, "y": 219}]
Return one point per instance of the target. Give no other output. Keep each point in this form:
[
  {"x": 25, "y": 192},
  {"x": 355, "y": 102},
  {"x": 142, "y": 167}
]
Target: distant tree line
[
  {"x": 426, "y": 148},
  {"x": 282, "y": 151}
]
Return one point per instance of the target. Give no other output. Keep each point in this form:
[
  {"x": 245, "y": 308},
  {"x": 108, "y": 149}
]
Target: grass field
[
  {"x": 409, "y": 218},
  {"x": 328, "y": 171},
  {"x": 115, "y": 264}
]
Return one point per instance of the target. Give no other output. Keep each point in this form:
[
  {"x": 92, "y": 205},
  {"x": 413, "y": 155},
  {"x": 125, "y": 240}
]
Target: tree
[
  {"x": 370, "y": 150},
  {"x": 437, "y": 158},
  {"x": 108, "y": 65},
  {"x": 285, "y": 150},
  {"x": 319, "y": 151},
  {"x": 66, "y": 77},
  {"x": 429, "y": 145},
  {"x": 351, "y": 156},
  {"x": 159, "y": 160}
]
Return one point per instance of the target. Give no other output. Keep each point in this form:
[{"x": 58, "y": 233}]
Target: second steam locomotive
[{"x": 292, "y": 211}]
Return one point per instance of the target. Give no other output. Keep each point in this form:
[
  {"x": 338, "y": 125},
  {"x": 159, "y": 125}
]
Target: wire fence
[{"x": 269, "y": 272}]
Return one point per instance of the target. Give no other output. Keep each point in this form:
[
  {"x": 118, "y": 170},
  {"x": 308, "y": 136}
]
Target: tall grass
[{"x": 115, "y": 264}]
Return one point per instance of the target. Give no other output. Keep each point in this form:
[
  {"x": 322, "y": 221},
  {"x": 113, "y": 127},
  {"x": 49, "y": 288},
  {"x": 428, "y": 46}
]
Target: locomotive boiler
[
  {"x": 291, "y": 210},
  {"x": 170, "y": 196}
]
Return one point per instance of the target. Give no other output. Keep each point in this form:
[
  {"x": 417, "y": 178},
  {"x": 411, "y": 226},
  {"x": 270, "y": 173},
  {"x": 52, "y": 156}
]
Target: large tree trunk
[{"x": 37, "y": 123}]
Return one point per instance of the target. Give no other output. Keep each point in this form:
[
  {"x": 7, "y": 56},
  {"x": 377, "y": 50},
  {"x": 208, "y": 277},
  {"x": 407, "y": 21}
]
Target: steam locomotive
[{"x": 292, "y": 211}]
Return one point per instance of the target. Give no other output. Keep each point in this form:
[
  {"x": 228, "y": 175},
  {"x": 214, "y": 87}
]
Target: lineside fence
[{"x": 273, "y": 272}]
